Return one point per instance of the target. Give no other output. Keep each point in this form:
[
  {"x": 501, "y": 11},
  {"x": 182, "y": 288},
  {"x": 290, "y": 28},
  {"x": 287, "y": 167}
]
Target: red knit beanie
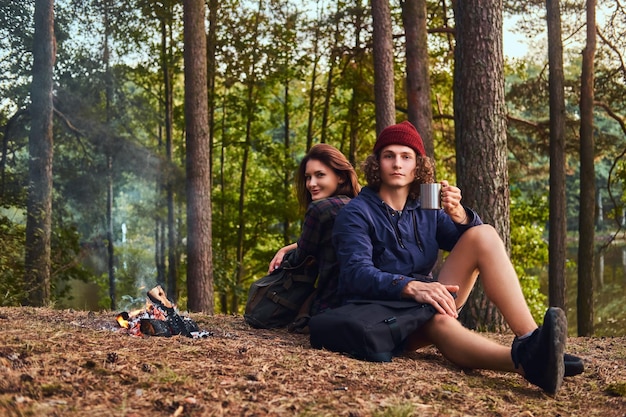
[{"x": 400, "y": 134}]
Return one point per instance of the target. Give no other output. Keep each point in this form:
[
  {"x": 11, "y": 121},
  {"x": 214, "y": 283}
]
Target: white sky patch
[{"x": 515, "y": 44}]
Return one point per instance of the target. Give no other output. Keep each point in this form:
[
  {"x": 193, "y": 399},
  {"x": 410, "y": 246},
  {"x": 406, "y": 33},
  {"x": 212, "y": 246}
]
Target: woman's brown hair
[
  {"x": 424, "y": 173},
  {"x": 335, "y": 160}
]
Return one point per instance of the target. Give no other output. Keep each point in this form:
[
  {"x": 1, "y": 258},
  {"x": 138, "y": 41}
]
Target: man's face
[{"x": 397, "y": 166}]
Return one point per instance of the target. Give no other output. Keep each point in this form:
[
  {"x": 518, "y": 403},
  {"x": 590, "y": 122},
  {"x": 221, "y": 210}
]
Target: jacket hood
[{"x": 372, "y": 196}]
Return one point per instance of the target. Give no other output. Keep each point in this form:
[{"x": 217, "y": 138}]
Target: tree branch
[
  {"x": 614, "y": 49},
  {"x": 620, "y": 121}
]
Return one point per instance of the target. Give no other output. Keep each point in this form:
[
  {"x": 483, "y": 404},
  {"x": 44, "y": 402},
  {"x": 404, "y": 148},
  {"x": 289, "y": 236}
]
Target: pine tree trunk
[
  {"x": 199, "y": 252},
  {"x": 587, "y": 181},
  {"x": 419, "y": 108},
  {"x": 480, "y": 124},
  {"x": 384, "y": 90},
  {"x": 558, "y": 221},
  {"x": 40, "y": 146}
]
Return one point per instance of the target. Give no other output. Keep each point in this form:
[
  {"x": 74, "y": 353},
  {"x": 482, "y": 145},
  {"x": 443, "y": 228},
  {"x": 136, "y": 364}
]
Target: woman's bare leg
[{"x": 481, "y": 249}]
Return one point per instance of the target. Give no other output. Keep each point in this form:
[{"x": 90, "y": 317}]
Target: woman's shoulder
[
  {"x": 327, "y": 207},
  {"x": 329, "y": 202}
]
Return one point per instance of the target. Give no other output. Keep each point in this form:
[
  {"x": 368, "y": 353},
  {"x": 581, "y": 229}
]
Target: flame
[{"x": 122, "y": 320}]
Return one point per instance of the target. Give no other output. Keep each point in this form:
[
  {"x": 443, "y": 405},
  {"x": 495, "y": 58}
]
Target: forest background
[{"x": 282, "y": 76}]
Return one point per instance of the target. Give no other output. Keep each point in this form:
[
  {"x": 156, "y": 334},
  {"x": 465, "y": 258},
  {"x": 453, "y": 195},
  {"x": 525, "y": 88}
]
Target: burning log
[
  {"x": 160, "y": 318},
  {"x": 177, "y": 324},
  {"x": 153, "y": 327}
]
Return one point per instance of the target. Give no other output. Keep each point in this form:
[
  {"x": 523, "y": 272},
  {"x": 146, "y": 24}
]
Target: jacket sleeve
[
  {"x": 449, "y": 232},
  {"x": 359, "y": 278}
]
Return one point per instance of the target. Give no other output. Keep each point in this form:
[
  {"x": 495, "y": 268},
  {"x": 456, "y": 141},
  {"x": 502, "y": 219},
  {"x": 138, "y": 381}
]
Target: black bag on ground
[
  {"x": 372, "y": 330},
  {"x": 276, "y": 299}
]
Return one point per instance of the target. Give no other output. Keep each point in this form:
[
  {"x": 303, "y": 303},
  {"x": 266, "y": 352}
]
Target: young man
[{"x": 387, "y": 246}]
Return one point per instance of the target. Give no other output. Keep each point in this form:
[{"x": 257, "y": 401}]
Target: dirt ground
[{"x": 77, "y": 363}]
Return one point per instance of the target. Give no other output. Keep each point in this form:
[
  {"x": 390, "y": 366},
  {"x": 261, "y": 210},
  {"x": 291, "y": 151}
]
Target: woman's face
[
  {"x": 321, "y": 180},
  {"x": 397, "y": 166}
]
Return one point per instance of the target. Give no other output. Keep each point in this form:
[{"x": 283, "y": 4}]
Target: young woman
[
  {"x": 387, "y": 246},
  {"x": 325, "y": 182}
]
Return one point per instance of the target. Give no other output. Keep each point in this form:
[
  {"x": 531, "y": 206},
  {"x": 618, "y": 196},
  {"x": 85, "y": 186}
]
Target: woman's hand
[
  {"x": 280, "y": 255},
  {"x": 433, "y": 293},
  {"x": 451, "y": 202}
]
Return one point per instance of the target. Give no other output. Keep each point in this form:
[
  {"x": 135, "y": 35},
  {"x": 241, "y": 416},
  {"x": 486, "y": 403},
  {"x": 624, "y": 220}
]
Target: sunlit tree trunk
[
  {"x": 313, "y": 87},
  {"x": 384, "y": 91},
  {"x": 251, "y": 82},
  {"x": 40, "y": 148},
  {"x": 198, "y": 189},
  {"x": 328, "y": 93},
  {"x": 558, "y": 222},
  {"x": 241, "y": 221},
  {"x": 286, "y": 154},
  {"x": 587, "y": 181},
  {"x": 480, "y": 124},
  {"x": 419, "y": 109},
  {"x": 223, "y": 246},
  {"x": 356, "y": 80},
  {"x": 284, "y": 39}
]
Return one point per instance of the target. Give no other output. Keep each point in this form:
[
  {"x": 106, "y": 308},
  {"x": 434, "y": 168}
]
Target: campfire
[{"x": 159, "y": 318}]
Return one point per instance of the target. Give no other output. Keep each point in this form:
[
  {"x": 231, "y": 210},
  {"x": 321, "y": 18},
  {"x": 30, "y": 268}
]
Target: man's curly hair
[{"x": 424, "y": 173}]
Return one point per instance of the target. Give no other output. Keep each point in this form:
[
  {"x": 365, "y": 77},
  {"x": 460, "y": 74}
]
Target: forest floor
[{"x": 78, "y": 363}]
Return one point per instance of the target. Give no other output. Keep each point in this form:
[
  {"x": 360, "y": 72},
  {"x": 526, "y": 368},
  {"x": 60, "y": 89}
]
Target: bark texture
[
  {"x": 480, "y": 131},
  {"x": 384, "y": 89},
  {"x": 419, "y": 108},
  {"x": 40, "y": 147},
  {"x": 557, "y": 220},
  {"x": 199, "y": 252},
  {"x": 587, "y": 181}
]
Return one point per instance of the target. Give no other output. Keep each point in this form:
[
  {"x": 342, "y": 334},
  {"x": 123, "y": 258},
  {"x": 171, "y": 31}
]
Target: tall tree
[
  {"x": 167, "y": 56},
  {"x": 587, "y": 180},
  {"x": 558, "y": 210},
  {"x": 355, "y": 75},
  {"x": 480, "y": 125},
  {"x": 384, "y": 93},
  {"x": 108, "y": 97},
  {"x": 219, "y": 256},
  {"x": 315, "y": 59},
  {"x": 198, "y": 187},
  {"x": 330, "y": 85},
  {"x": 251, "y": 92},
  {"x": 40, "y": 148},
  {"x": 419, "y": 109}
]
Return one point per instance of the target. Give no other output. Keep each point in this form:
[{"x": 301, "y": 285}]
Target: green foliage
[
  {"x": 11, "y": 262},
  {"x": 65, "y": 260},
  {"x": 529, "y": 250},
  {"x": 264, "y": 60}
]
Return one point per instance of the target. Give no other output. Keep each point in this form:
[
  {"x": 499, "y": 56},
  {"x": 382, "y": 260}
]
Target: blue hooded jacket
[{"x": 380, "y": 250}]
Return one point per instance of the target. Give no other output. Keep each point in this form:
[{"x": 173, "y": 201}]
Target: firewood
[
  {"x": 158, "y": 294},
  {"x": 176, "y": 323},
  {"x": 153, "y": 327}
]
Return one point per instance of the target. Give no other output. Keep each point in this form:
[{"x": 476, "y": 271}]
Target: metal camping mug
[{"x": 430, "y": 196}]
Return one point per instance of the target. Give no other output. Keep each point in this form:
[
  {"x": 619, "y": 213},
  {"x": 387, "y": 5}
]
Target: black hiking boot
[
  {"x": 573, "y": 365},
  {"x": 541, "y": 354}
]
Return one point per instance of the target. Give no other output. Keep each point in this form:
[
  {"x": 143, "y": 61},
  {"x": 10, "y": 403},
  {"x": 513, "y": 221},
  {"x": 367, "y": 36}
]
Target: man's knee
[
  {"x": 482, "y": 234},
  {"x": 440, "y": 321}
]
